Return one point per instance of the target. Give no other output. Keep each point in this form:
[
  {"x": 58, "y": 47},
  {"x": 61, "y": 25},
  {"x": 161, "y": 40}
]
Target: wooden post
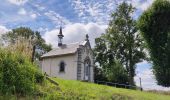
[{"x": 140, "y": 83}]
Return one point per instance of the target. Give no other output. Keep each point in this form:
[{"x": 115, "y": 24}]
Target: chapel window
[{"x": 62, "y": 67}]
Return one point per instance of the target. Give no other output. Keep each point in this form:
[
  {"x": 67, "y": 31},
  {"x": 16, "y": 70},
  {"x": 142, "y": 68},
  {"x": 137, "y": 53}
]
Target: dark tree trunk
[
  {"x": 33, "y": 54},
  {"x": 131, "y": 69}
]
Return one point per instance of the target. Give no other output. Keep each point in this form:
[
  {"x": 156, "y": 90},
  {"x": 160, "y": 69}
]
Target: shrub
[
  {"x": 17, "y": 73},
  {"x": 39, "y": 77}
]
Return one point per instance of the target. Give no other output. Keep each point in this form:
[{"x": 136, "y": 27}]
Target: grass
[
  {"x": 89, "y": 91},
  {"x": 160, "y": 92},
  {"x": 76, "y": 90}
]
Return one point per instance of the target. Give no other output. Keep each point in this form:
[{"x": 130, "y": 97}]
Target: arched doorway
[{"x": 87, "y": 64}]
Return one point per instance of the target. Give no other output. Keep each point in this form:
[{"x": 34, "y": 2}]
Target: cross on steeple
[{"x": 87, "y": 37}]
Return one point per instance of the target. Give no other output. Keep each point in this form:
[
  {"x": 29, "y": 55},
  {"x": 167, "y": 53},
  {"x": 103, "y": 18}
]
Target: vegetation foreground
[
  {"x": 21, "y": 80},
  {"x": 75, "y": 90}
]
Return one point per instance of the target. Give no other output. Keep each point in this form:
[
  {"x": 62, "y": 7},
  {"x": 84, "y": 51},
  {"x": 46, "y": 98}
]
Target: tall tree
[
  {"x": 109, "y": 68},
  {"x": 154, "y": 25},
  {"x": 28, "y": 41},
  {"x": 123, "y": 43}
]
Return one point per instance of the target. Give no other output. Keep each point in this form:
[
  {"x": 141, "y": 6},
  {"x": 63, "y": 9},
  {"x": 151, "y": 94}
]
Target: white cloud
[
  {"x": 139, "y": 4},
  {"x": 18, "y": 2},
  {"x": 3, "y": 30},
  {"x": 148, "y": 80},
  {"x": 142, "y": 5},
  {"x": 56, "y": 18},
  {"x": 75, "y": 33},
  {"x": 95, "y": 11},
  {"x": 143, "y": 64},
  {"x": 99, "y": 11},
  {"x": 39, "y": 7},
  {"x": 144, "y": 71},
  {"x": 23, "y": 16},
  {"x": 79, "y": 7},
  {"x": 22, "y": 11},
  {"x": 33, "y": 16}
]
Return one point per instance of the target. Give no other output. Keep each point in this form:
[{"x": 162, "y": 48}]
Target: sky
[{"x": 77, "y": 17}]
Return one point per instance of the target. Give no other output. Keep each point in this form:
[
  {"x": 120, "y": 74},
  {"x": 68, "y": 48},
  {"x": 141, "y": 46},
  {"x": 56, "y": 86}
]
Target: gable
[{"x": 87, "y": 48}]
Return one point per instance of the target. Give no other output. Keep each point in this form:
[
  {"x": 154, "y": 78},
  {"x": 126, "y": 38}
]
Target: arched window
[{"x": 62, "y": 67}]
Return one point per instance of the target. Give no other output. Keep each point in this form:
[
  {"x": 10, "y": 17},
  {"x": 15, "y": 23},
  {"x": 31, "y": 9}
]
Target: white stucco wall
[{"x": 51, "y": 66}]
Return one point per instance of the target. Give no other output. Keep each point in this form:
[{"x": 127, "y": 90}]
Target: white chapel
[{"x": 72, "y": 61}]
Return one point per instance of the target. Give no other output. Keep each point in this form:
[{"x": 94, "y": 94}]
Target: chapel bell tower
[{"x": 60, "y": 37}]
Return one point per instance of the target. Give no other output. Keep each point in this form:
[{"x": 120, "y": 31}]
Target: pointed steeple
[
  {"x": 60, "y": 32},
  {"x": 60, "y": 37}
]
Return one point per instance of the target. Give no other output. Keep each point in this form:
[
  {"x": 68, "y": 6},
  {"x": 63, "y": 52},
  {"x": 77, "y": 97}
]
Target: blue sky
[
  {"x": 78, "y": 17},
  {"x": 49, "y": 14}
]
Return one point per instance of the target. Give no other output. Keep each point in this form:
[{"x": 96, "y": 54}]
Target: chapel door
[{"x": 87, "y": 70}]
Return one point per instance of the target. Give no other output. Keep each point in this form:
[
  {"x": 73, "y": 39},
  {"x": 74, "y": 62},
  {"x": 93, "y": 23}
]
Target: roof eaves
[{"x": 52, "y": 56}]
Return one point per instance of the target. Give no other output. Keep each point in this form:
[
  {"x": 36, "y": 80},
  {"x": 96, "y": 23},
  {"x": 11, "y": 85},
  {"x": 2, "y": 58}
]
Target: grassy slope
[
  {"x": 75, "y": 90},
  {"x": 81, "y": 90}
]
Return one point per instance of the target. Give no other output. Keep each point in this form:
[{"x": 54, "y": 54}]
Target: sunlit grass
[
  {"x": 76, "y": 90},
  {"x": 88, "y": 91}
]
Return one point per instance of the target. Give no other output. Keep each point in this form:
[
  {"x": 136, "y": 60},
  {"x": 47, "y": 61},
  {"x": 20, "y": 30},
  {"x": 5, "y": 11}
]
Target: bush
[
  {"x": 39, "y": 77},
  {"x": 17, "y": 73}
]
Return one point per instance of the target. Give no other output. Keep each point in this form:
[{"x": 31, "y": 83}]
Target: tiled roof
[{"x": 65, "y": 49}]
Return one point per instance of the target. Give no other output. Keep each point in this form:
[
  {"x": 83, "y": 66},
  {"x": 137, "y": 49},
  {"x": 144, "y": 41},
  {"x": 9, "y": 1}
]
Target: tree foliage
[
  {"x": 27, "y": 41},
  {"x": 121, "y": 43},
  {"x": 109, "y": 69},
  {"x": 154, "y": 25}
]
